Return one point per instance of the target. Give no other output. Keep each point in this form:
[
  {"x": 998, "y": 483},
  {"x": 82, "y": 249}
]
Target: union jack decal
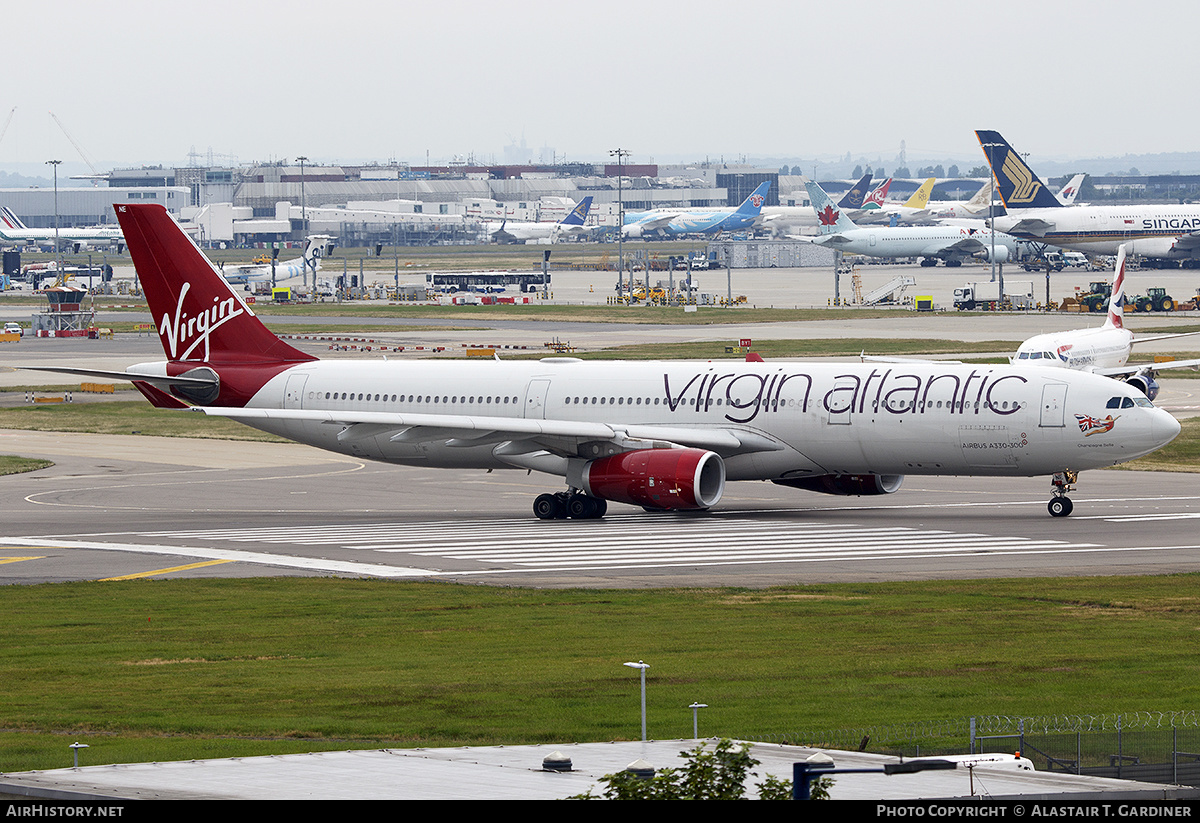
[{"x": 1096, "y": 425}]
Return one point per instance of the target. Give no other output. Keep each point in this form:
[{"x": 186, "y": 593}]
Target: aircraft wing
[
  {"x": 1130, "y": 369},
  {"x": 884, "y": 358},
  {"x": 656, "y": 221},
  {"x": 1031, "y": 225},
  {"x": 1188, "y": 242},
  {"x": 562, "y": 437}
]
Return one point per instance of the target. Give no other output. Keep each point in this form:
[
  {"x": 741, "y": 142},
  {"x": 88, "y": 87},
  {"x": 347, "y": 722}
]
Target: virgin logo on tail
[{"x": 197, "y": 328}]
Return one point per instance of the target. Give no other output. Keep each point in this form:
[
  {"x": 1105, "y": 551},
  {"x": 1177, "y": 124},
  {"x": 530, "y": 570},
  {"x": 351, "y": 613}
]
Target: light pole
[
  {"x": 643, "y": 667},
  {"x": 992, "y": 209},
  {"x": 57, "y": 247},
  {"x": 696, "y": 707},
  {"x": 304, "y": 222},
  {"x": 620, "y": 154}
]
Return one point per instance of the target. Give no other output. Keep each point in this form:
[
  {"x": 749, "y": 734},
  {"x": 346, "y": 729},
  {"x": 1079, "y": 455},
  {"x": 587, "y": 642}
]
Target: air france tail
[
  {"x": 1019, "y": 187},
  {"x": 830, "y": 216}
]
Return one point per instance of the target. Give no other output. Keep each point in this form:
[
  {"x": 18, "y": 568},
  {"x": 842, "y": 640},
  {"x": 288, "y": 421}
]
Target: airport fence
[{"x": 1155, "y": 747}]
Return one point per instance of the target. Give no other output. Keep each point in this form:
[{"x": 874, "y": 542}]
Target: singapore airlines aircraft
[
  {"x": 952, "y": 244},
  {"x": 318, "y": 246},
  {"x": 1104, "y": 350},
  {"x": 664, "y": 436},
  {"x": 1035, "y": 213}
]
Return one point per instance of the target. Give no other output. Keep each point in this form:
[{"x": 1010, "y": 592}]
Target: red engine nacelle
[
  {"x": 658, "y": 478},
  {"x": 847, "y": 484}
]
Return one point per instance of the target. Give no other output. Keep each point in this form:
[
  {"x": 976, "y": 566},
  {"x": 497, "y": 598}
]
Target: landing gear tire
[
  {"x": 583, "y": 507},
  {"x": 1060, "y": 507},
  {"x": 549, "y": 507}
]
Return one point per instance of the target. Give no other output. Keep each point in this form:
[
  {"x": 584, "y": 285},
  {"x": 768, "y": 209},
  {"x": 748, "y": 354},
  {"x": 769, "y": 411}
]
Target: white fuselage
[
  {"x": 1150, "y": 230},
  {"x": 914, "y": 241},
  {"x": 799, "y": 419},
  {"x": 1085, "y": 349}
]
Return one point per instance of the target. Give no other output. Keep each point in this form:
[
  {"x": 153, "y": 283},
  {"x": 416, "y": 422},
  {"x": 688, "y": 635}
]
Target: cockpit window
[
  {"x": 1113, "y": 403},
  {"x": 1143, "y": 402},
  {"x": 1024, "y": 355}
]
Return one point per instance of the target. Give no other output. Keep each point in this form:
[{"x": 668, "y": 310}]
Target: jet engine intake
[
  {"x": 847, "y": 484},
  {"x": 658, "y": 478},
  {"x": 1002, "y": 254},
  {"x": 1144, "y": 383}
]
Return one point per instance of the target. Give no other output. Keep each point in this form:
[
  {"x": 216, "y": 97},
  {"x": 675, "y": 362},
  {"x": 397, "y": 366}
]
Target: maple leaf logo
[{"x": 828, "y": 216}]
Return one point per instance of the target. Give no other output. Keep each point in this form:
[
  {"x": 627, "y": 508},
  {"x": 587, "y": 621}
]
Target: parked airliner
[
  {"x": 13, "y": 230},
  {"x": 664, "y": 436},
  {"x": 1104, "y": 350},
  {"x": 953, "y": 244},
  {"x": 317, "y": 246},
  {"x": 670, "y": 222},
  {"x": 507, "y": 232},
  {"x": 1034, "y": 213}
]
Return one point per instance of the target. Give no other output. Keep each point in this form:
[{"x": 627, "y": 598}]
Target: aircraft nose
[{"x": 1165, "y": 428}]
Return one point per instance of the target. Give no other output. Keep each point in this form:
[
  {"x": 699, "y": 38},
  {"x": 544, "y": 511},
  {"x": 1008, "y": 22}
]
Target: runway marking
[
  {"x": 4, "y": 560},
  {"x": 185, "y": 568},
  {"x": 632, "y": 541},
  {"x": 262, "y": 558}
]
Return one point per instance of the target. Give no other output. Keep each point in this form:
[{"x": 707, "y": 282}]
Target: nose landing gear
[{"x": 1062, "y": 482}]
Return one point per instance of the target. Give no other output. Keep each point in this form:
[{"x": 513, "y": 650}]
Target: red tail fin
[{"x": 198, "y": 316}]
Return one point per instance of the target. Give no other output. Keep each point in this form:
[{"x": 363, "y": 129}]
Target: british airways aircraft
[
  {"x": 707, "y": 221},
  {"x": 1035, "y": 213},
  {"x": 1104, "y": 350},
  {"x": 664, "y": 436}
]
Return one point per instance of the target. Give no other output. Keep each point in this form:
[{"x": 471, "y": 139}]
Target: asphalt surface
[{"x": 115, "y": 506}]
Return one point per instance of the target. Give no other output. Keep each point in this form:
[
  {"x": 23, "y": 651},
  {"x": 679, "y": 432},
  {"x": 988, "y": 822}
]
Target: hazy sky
[{"x": 146, "y": 82}]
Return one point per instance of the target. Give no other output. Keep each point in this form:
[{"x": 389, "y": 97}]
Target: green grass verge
[
  {"x": 126, "y": 417},
  {"x": 12, "y": 464},
  {"x": 161, "y": 670}
]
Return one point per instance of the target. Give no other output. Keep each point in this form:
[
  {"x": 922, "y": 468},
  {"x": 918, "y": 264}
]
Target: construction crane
[{"x": 95, "y": 175}]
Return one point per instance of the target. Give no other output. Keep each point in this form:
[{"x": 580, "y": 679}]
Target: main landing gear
[
  {"x": 1060, "y": 505},
  {"x": 573, "y": 504}
]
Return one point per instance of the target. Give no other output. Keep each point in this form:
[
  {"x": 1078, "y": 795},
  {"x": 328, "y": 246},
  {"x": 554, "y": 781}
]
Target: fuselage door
[
  {"x": 293, "y": 394},
  {"x": 1054, "y": 405},
  {"x": 535, "y": 399}
]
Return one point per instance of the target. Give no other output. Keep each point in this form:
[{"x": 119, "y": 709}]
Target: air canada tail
[
  {"x": 1116, "y": 301},
  {"x": 579, "y": 213},
  {"x": 199, "y": 318},
  {"x": 831, "y": 218},
  {"x": 1019, "y": 187},
  {"x": 752, "y": 205}
]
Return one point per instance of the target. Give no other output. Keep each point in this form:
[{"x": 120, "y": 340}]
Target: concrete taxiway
[
  {"x": 119, "y": 506},
  {"x": 115, "y": 506}
]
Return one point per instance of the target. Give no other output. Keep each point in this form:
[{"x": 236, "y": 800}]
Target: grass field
[{"x": 159, "y": 670}]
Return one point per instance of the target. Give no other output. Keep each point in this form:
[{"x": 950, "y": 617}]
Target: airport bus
[{"x": 486, "y": 282}]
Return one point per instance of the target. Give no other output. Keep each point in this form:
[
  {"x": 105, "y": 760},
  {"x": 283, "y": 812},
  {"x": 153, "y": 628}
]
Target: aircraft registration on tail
[{"x": 664, "y": 436}]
